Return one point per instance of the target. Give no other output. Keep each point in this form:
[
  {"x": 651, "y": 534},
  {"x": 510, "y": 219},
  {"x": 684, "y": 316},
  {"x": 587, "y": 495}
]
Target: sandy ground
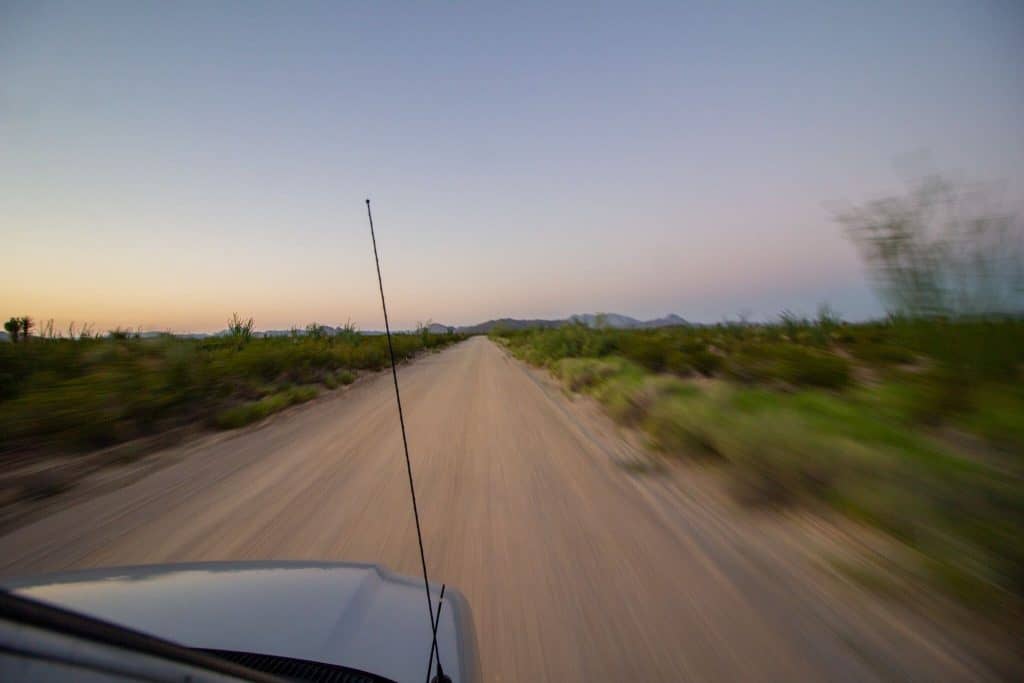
[{"x": 577, "y": 568}]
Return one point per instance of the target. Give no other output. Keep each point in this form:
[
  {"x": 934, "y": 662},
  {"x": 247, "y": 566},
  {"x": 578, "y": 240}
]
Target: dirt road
[{"x": 577, "y": 568}]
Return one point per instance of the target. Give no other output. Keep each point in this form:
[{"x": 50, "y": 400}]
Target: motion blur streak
[{"x": 576, "y": 570}]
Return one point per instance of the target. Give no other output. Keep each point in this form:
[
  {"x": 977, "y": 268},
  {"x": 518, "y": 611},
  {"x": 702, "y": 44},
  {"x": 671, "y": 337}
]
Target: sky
[{"x": 165, "y": 164}]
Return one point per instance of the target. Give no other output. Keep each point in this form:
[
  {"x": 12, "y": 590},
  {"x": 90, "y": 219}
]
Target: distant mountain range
[
  {"x": 624, "y": 322},
  {"x": 508, "y": 324},
  {"x": 611, "y": 320}
]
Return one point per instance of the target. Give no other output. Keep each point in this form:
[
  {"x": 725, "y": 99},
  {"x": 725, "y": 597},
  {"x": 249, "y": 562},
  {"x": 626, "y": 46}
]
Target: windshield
[{"x": 658, "y": 341}]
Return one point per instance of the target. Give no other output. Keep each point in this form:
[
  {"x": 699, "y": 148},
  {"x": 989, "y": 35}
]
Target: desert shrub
[
  {"x": 754, "y": 364},
  {"x": 580, "y": 374},
  {"x": 621, "y": 397},
  {"x": 247, "y": 413},
  {"x": 882, "y": 354},
  {"x": 777, "y": 459},
  {"x": 700, "y": 357},
  {"x": 677, "y": 425},
  {"x": 348, "y": 334},
  {"x": 646, "y": 350},
  {"x": 806, "y": 367},
  {"x": 678, "y": 363},
  {"x": 997, "y": 414},
  {"x": 240, "y": 330}
]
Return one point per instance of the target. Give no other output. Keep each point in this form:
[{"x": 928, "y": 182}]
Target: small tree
[
  {"x": 941, "y": 253},
  {"x": 423, "y": 329},
  {"x": 13, "y": 327},
  {"x": 940, "y": 250},
  {"x": 26, "y": 326}
]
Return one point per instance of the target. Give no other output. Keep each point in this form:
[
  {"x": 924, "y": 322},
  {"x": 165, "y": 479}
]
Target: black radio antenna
[{"x": 408, "y": 463}]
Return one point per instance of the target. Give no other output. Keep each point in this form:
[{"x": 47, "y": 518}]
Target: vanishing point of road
[{"x": 577, "y": 566}]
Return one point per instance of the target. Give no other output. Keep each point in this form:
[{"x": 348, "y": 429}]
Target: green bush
[
  {"x": 997, "y": 413},
  {"x": 621, "y": 398},
  {"x": 677, "y": 426},
  {"x": 646, "y": 350},
  {"x": 806, "y": 367},
  {"x": 754, "y": 363},
  {"x": 583, "y": 373},
  {"x": 704, "y": 361},
  {"x": 247, "y": 413},
  {"x": 882, "y": 354}
]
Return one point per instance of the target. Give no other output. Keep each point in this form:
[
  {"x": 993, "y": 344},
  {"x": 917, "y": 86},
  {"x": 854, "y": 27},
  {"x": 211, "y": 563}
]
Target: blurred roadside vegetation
[
  {"x": 80, "y": 391},
  {"x": 913, "y": 424}
]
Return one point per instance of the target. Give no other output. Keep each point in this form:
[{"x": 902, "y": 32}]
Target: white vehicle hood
[{"x": 355, "y": 615}]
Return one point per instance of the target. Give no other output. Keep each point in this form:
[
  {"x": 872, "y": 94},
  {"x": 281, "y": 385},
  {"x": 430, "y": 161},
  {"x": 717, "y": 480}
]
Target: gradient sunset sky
[{"x": 164, "y": 164}]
